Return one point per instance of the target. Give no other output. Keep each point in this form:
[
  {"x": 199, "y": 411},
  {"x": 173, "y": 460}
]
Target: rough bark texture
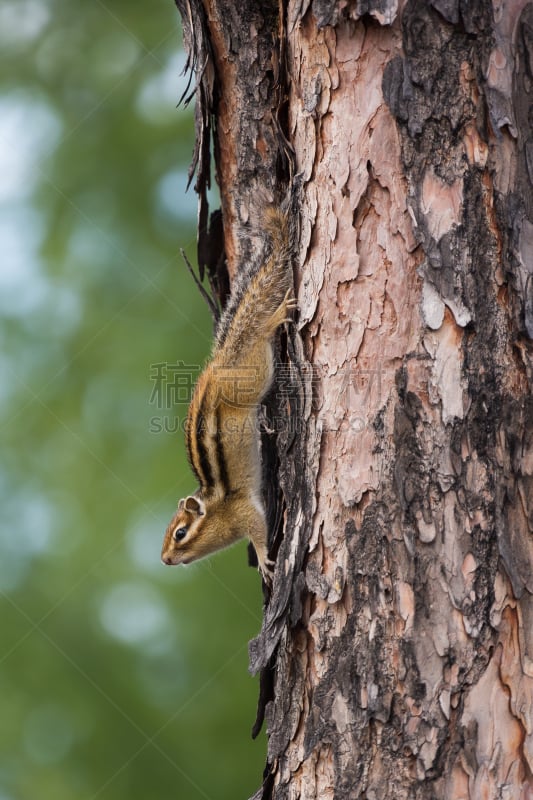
[{"x": 396, "y": 651}]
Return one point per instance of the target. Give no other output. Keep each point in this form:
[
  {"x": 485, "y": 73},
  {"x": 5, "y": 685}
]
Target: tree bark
[{"x": 396, "y": 653}]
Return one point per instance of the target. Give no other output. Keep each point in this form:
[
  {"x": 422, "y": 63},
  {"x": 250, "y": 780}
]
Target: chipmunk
[{"x": 222, "y": 435}]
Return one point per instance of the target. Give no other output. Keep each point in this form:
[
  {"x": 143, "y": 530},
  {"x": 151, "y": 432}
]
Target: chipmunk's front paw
[{"x": 266, "y": 568}]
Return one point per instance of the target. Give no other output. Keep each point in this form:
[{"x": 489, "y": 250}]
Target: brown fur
[{"x": 222, "y": 432}]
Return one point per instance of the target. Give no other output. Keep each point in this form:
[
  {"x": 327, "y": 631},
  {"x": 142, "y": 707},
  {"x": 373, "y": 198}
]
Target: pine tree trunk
[{"x": 396, "y": 653}]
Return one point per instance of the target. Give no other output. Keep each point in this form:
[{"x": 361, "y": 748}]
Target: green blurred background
[{"x": 119, "y": 677}]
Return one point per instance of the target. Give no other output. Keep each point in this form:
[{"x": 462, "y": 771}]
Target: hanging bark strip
[{"x": 397, "y": 647}]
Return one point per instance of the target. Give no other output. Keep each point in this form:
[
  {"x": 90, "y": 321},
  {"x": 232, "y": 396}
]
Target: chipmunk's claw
[{"x": 267, "y": 571}]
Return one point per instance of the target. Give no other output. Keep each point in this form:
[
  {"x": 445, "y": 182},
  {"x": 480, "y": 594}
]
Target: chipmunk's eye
[{"x": 179, "y": 534}]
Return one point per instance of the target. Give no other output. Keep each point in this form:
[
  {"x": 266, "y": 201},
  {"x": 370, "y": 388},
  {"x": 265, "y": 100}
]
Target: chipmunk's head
[{"x": 180, "y": 544}]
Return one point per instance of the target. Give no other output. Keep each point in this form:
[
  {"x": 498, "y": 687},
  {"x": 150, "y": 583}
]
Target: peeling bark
[{"x": 396, "y": 651}]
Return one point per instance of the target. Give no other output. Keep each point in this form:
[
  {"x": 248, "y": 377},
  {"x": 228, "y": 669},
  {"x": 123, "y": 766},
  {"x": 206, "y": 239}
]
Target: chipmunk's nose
[{"x": 166, "y": 560}]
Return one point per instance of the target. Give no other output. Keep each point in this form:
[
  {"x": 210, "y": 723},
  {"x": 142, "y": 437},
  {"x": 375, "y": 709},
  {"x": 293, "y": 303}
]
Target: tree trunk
[{"x": 396, "y": 652}]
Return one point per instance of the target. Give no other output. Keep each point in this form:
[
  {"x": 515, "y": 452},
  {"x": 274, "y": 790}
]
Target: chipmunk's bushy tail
[{"x": 262, "y": 284}]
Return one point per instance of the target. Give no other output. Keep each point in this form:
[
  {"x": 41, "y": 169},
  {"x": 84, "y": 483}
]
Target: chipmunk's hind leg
[{"x": 281, "y": 314}]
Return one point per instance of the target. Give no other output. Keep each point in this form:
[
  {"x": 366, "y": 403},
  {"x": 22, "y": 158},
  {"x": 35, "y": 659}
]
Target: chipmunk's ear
[
  {"x": 194, "y": 506},
  {"x": 181, "y": 505}
]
